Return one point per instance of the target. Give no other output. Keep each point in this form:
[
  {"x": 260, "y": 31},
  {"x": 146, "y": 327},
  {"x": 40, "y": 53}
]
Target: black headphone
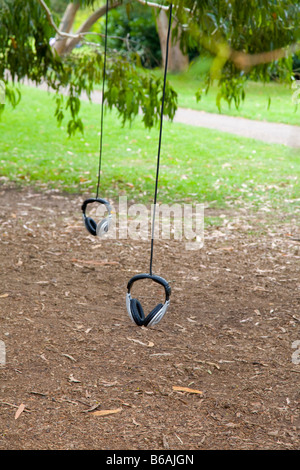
[
  {"x": 135, "y": 309},
  {"x": 102, "y": 227}
]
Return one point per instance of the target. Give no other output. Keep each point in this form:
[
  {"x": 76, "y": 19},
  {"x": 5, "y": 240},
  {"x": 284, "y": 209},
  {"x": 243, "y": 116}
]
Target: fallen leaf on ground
[
  {"x": 93, "y": 262},
  {"x": 19, "y": 410},
  {"x": 72, "y": 379},
  {"x": 106, "y": 412},
  {"x": 69, "y": 357},
  {"x": 149, "y": 345},
  {"x": 186, "y": 389},
  {"x": 3, "y": 296}
]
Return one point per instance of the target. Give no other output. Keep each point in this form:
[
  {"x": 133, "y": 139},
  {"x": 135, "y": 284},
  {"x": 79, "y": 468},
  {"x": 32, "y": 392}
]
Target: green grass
[
  {"x": 255, "y": 106},
  {"x": 196, "y": 164}
]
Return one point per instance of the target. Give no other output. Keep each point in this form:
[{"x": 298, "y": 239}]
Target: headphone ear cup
[
  {"x": 91, "y": 225},
  {"x": 137, "y": 312},
  {"x": 153, "y": 314},
  {"x": 102, "y": 227}
]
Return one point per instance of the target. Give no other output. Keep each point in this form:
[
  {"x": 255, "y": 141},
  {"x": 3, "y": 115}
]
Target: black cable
[
  {"x": 102, "y": 99},
  {"x": 160, "y": 136}
]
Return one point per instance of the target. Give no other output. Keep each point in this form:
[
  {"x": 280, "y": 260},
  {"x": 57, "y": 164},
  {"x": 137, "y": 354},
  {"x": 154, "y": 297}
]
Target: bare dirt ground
[{"x": 72, "y": 351}]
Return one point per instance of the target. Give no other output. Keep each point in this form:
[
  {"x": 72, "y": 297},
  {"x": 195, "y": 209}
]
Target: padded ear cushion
[
  {"x": 91, "y": 225},
  {"x": 152, "y": 314},
  {"x": 137, "y": 312},
  {"x": 102, "y": 227}
]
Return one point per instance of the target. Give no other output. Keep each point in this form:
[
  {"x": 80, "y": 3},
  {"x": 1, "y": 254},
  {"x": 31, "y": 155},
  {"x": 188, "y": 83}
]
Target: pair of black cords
[{"x": 134, "y": 307}]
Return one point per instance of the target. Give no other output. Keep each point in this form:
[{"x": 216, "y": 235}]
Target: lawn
[
  {"x": 270, "y": 102},
  {"x": 196, "y": 164}
]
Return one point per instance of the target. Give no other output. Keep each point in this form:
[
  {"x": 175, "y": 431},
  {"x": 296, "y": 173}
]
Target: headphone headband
[
  {"x": 158, "y": 279},
  {"x": 99, "y": 200}
]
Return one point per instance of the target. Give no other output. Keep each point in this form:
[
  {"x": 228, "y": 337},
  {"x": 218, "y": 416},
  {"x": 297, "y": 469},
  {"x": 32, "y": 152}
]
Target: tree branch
[
  {"x": 86, "y": 26},
  {"x": 246, "y": 61},
  {"x": 84, "y": 29},
  {"x": 157, "y": 5},
  {"x": 52, "y": 23},
  {"x": 153, "y": 5}
]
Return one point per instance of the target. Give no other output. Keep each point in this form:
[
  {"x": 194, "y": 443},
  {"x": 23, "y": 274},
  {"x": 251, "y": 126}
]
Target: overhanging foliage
[{"x": 256, "y": 39}]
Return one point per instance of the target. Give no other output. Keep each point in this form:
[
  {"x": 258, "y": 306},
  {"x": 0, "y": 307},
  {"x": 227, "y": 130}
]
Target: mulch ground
[{"x": 72, "y": 351}]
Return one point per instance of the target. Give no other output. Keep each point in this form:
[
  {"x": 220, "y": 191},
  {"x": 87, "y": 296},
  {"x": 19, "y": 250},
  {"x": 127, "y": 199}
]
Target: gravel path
[{"x": 270, "y": 132}]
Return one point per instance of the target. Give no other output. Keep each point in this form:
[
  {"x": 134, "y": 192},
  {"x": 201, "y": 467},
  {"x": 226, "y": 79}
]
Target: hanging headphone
[
  {"x": 135, "y": 309},
  {"x": 93, "y": 228},
  {"x": 102, "y": 227}
]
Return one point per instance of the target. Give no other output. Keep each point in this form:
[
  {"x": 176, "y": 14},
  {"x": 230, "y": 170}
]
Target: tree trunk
[
  {"x": 66, "y": 26},
  {"x": 178, "y": 62},
  {"x": 64, "y": 46},
  {"x": 86, "y": 26}
]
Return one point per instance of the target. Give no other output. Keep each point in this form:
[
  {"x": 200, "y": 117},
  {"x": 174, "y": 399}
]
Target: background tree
[
  {"x": 131, "y": 19},
  {"x": 133, "y": 30},
  {"x": 178, "y": 60}
]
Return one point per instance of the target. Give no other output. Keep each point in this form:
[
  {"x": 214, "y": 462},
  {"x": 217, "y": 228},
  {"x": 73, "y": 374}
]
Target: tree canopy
[{"x": 254, "y": 39}]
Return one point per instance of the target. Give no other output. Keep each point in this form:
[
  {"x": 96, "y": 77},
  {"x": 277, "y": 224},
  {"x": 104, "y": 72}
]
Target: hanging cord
[
  {"x": 102, "y": 107},
  {"x": 160, "y": 137}
]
